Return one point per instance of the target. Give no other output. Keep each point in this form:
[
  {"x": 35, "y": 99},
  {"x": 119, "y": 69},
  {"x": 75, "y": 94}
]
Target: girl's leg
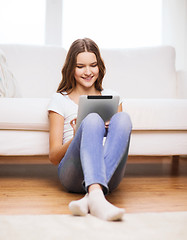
[
  {"x": 116, "y": 148},
  {"x": 115, "y": 155},
  {"x": 84, "y": 161},
  {"x": 82, "y": 157}
]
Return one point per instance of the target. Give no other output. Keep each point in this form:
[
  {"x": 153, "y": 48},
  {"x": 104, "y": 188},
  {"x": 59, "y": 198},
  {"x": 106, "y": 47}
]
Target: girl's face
[{"x": 86, "y": 70}]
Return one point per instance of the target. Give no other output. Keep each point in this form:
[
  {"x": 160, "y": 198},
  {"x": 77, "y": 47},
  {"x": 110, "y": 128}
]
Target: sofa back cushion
[
  {"x": 134, "y": 73},
  {"x": 36, "y": 68},
  {"x": 141, "y": 73},
  {"x": 9, "y": 87}
]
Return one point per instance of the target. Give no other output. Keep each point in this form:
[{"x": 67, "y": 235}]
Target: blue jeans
[{"x": 89, "y": 161}]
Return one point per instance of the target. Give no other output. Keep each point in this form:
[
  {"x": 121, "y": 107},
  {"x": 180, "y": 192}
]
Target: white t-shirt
[{"x": 67, "y": 108}]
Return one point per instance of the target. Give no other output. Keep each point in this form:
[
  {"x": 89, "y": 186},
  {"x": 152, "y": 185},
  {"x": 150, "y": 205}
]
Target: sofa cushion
[
  {"x": 9, "y": 87},
  {"x": 146, "y": 114},
  {"x": 24, "y": 114},
  {"x": 157, "y": 114},
  {"x": 36, "y": 68},
  {"x": 142, "y": 72}
]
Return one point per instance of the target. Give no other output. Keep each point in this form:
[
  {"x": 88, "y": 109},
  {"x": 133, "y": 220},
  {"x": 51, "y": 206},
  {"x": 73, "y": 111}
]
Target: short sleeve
[{"x": 56, "y": 104}]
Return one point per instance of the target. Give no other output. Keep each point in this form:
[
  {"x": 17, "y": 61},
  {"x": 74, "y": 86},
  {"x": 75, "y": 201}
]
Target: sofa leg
[{"x": 175, "y": 165}]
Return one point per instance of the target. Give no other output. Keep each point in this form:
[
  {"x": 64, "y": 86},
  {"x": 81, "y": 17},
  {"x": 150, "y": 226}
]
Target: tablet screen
[{"x": 106, "y": 106}]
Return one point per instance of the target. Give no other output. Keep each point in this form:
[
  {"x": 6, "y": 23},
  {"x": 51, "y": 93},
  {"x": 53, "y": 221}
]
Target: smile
[{"x": 88, "y": 78}]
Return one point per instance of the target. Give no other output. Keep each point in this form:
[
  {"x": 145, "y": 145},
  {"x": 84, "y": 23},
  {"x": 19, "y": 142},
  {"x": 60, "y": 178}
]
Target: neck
[
  {"x": 77, "y": 92},
  {"x": 85, "y": 91}
]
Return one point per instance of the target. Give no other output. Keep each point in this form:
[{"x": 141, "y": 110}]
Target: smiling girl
[{"x": 85, "y": 164}]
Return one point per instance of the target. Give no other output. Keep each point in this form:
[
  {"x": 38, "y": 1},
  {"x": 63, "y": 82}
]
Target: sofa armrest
[{"x": 181, "y": 84}]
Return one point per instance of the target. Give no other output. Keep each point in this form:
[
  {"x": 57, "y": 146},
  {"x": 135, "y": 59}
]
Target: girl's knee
[
  {"x": 71, "y": 184},
  {"x": 123, "y": 121},
  {"x": 93, "y": 120}
]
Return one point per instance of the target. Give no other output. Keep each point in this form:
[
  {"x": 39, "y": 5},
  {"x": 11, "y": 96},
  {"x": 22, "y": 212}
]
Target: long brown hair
[{"x": 68, "y": 82}]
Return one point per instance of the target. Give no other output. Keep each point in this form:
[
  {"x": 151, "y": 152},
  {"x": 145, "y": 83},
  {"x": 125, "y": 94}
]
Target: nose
[{"x": 87, "y": 71}]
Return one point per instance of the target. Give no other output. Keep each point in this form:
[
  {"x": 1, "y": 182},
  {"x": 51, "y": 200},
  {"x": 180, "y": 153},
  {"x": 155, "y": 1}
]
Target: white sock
[
  {"x": 79, "y": 207},
  {"x": 101, "y": 208}
]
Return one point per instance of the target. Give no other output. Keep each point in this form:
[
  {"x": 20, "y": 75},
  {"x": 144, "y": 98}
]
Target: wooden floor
[{"x": 29, "y": 185}]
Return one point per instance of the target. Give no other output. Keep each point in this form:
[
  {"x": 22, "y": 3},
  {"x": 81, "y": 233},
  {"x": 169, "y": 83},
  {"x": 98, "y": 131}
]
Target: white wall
[
  {"x": 53, "y": 25},
  {"x": 175, "y": 29}
]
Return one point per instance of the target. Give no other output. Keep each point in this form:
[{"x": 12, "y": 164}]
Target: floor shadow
[{"x": 157, "y": 169}]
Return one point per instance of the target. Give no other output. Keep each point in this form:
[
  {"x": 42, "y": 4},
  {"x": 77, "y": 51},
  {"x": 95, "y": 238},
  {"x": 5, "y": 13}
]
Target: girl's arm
[
  {"x": 120, "y": 109},
  {"x": 57, "y": 150}
]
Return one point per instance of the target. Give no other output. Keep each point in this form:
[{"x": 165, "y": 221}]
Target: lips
[{"x": 88, "y": 78}]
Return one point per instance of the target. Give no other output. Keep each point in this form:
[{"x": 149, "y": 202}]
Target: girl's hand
[
  {"x": 107, "y": 124},
  {"x": 73, "y": 125}
]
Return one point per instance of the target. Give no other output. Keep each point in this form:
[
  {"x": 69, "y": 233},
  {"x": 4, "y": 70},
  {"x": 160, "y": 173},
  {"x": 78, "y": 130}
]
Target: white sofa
[{"x": 155, "y": 96}]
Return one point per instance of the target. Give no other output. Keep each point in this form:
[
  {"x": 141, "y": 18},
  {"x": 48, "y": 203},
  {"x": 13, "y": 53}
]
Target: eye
[
  {"x": 79, "y": 66},
  {"x": 94, "y": 65}
]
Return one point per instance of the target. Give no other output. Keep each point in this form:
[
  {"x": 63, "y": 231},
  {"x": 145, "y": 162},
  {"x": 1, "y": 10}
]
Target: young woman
[{"x": 86, "y": 165}]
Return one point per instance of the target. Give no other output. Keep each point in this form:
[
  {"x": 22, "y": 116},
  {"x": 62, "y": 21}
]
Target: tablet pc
[{"x": 106, "y": 106}]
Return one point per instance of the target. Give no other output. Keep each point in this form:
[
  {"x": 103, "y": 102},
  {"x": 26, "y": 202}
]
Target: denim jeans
[{"x": 88, "y": 160}]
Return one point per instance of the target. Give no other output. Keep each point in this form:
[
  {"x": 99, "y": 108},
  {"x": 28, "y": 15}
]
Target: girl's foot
[
  {"x": 79, "y": 207},
  {"x": 101, "y": 208}
]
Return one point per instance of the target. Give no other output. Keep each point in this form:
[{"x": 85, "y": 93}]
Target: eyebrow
[{"x": 84, "y": 64}]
